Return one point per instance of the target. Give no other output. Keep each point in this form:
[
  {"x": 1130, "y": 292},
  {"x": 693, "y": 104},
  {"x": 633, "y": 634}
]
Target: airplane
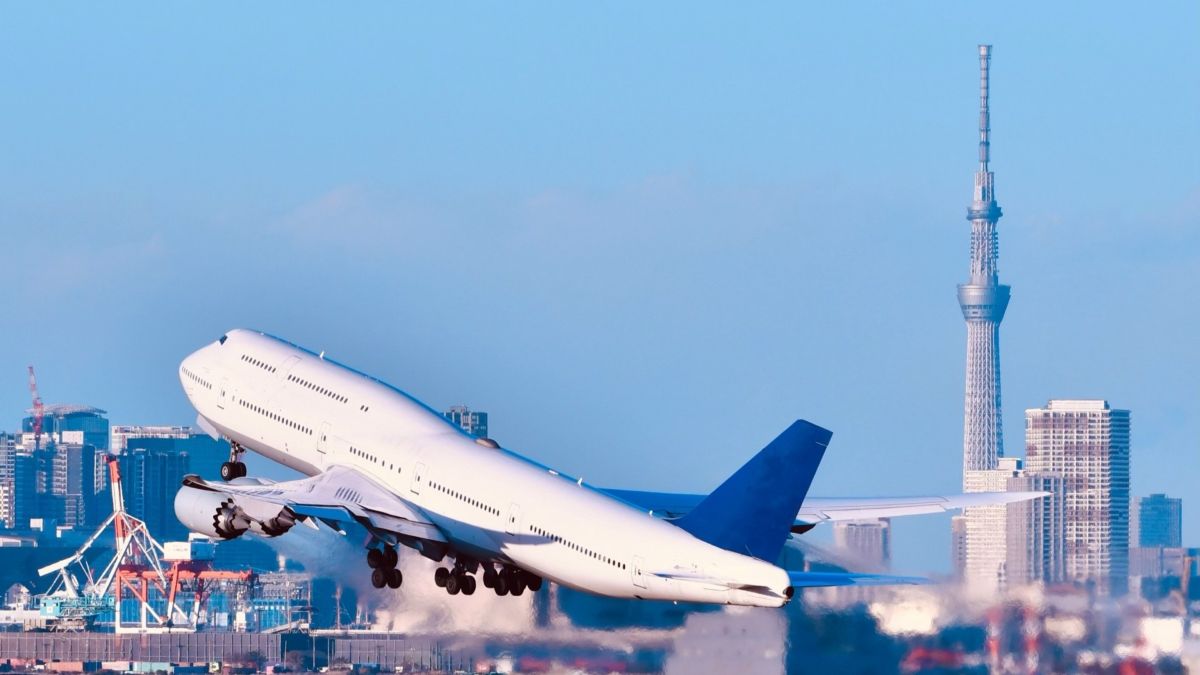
[{"x": 375, "y": 456}]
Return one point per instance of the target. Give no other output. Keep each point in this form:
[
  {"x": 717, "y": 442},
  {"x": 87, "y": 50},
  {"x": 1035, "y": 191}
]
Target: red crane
[{"x": 39, "y": 411}]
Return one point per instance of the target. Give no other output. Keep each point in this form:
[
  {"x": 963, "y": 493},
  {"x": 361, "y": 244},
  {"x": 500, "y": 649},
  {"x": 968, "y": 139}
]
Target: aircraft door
[
  {"x": 418, "y": 476},
  {"x": 323, "y": 438},
  {"x": 513, "y": 524},
  {"x": 222, "y": 392},
  {"x": 639, "y": 578}
]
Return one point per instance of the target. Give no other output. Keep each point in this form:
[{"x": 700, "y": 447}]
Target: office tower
[
  {"x": 154, "y": 461},
  {"x": 74, "y": 484},
  {"x": 24, "y": 489},
  {"x": 120, "y": 433},
  {"x": 8, "y": 454},
  {"x": 87, "y": 419},
  {"x": 986, "y": 529},
  {"x": 958, "y": 546},
  {"x": 868, "y": 542},
  {"x": 1035, "y": 529},
  {"x": 472, "y": 422},
  {"x": 1157, "y": 521},
  {"x": 1086, "y": 442}
]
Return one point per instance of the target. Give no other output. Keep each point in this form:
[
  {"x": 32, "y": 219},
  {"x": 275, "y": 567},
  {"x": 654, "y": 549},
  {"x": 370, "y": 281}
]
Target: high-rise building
[
  {"x": 1086, "y": 442},
  {"x": 1035, "y": 529},
  {"x": 85, "y": 418},
  {"x": 154, "y": 461},
  {"x": 1156, "y": 521},
  {"x": 983, "y": 300},
  {"x": 120, "y": 433},
  {"x": 986, "y": 528},
  {"x": 472, "y": 422},
  {"x": 8, "y": 455},
  {"x": 869, "y": 542}
]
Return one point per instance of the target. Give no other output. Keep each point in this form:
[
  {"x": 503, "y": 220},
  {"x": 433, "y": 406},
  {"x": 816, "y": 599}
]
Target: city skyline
[{"x": 689, "y": 274}]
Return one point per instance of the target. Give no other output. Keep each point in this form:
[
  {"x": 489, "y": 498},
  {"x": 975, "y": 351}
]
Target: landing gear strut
[
  {"x": 234, "y": 468},
  {"x": 383, "y": 567}
]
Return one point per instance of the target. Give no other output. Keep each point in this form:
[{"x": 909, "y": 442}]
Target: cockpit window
[{"x": 223, "y": 339}]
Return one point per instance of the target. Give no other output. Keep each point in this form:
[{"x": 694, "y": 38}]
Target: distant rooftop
[{"x": 64, "y": 409}]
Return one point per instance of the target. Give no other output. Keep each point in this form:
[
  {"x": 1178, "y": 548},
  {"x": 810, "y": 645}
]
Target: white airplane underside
[{"x": 375, "y": 456}]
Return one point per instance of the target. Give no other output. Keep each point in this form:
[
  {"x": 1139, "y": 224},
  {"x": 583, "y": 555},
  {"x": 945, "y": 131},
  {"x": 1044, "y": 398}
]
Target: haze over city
[{"x": 634, "y": 238}]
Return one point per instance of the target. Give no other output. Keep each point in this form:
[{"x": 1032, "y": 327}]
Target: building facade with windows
[{"x": 1086, "y": 442}]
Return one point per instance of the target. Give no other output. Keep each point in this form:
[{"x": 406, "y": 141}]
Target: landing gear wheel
[
  {"x": 452, "y": 584},
  {"x": 489, "y": 577},
  {"x": 229, "y": 471},
  {"x": 468, "y": 585},
  {"x": 500, "y": 584},
  {"x": 390, "y": 557},
  {"x": 376, "y": 558},
  {"x": 379, "y": 578},
  {"x": 516, "y": 582},
  {"x": 395, "y": 578},
  {"x": 441, "y": 576},
  {"x": 534, "y": 582}
]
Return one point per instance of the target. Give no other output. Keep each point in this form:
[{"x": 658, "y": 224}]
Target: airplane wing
[
  {"x": 803, "y": 579},
  {"x": 338, "y": 495},
  {"x": 817, "y": 510}
]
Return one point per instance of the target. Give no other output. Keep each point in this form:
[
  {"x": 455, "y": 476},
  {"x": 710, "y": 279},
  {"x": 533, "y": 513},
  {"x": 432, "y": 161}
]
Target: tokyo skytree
[{"x": 983, "y": 300}]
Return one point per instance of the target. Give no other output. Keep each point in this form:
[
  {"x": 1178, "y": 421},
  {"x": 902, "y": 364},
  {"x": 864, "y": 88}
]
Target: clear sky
[{"x": 644, "y": 236}]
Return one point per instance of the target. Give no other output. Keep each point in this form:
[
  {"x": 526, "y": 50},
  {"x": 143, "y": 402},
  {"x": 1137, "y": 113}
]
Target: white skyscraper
[{"x": 1087, "y": 444}]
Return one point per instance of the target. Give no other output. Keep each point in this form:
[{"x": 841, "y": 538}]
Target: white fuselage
[{"x": 310, "y": 414}]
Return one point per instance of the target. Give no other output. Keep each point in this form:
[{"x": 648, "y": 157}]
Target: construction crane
[
  {"x": 141, "y": 569},
  {"x": 39, "y": 410}
]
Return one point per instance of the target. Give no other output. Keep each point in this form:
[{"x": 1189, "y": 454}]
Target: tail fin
[{"x": 753, "y": 511}]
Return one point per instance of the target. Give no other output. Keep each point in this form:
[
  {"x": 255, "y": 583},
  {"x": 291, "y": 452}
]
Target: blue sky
[{"x": 644, "y": 238}]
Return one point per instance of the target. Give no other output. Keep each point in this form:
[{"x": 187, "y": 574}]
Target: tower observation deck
[{"x": 983, "y": 300}]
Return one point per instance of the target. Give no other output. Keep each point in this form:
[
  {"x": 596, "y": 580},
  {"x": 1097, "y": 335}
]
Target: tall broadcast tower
[{"x": 983, "y": 301}]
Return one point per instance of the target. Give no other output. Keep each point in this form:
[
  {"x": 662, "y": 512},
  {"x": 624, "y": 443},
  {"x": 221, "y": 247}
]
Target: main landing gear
[
  {"x": 235, "y": 467},
  {"x": 383, "y": 567},
  {"x": 510, "y": 580},
  {"x": 455, "y": 581}
]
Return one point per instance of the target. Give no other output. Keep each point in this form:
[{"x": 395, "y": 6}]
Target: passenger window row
[
  {"x": 464, "y": 498},
  {"x": 275, "y": 416},
  {"x": 577, "y": 548},
  {"x": 197, "y": 379},
  {"x": 318, "y": 388},
  {"x": 255, "y": 362}
]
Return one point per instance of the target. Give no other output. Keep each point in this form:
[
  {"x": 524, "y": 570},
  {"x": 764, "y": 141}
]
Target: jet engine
[{"x": 224, "y": 516}]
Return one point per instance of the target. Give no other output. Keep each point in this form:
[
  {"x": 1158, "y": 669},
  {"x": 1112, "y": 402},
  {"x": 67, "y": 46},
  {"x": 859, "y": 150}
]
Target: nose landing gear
[{"x": 234, "y": 468}]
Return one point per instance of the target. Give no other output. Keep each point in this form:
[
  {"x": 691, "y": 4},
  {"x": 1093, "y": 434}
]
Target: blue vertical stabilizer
[{"x": 753, "y": 511}]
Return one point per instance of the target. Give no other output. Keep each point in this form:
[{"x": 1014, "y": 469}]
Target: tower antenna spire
[{"x": 985, "y": 121}]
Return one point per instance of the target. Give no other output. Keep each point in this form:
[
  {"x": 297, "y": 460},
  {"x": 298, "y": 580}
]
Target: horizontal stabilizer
[{"x": 822, "y": 579}]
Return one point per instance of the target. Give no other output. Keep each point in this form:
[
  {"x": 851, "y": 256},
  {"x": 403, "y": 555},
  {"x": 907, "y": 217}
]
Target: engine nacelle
[{"x": 224, "y": 516}]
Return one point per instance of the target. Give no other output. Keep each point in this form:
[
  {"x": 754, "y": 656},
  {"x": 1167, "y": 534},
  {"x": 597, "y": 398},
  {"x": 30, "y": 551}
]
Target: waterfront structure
[
  {"x": 1086, "y": 442},
  {"x": 1156, "y": 521},
  {"x": 473, "y": 422},
  {"x": 868, "y": 541}
]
